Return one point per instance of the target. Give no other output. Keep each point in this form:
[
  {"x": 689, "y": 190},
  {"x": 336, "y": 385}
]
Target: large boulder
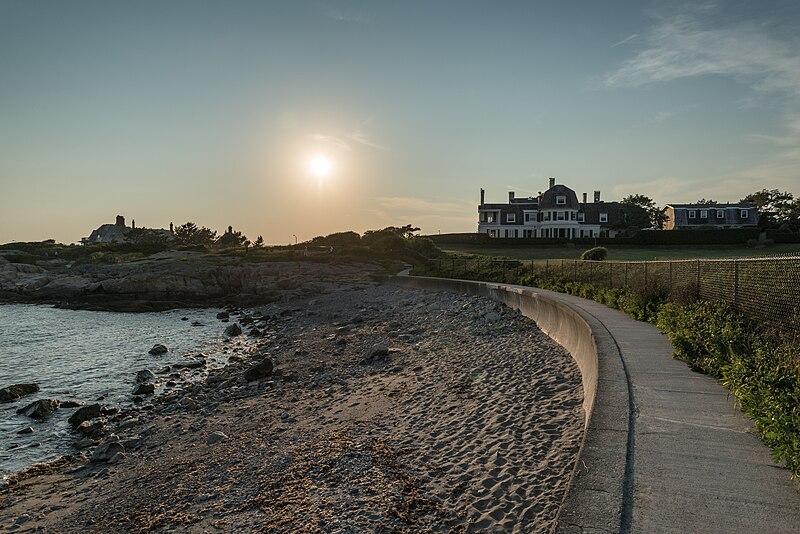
[
  {"x": 39, "y": 409},
  {"x": 17, "y": 391},
  {"x": 260, "y": 370},
  {"x": 84, "y": 414}
]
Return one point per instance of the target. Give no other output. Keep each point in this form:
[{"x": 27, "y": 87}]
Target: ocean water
[{"x": 85, "y": 356}]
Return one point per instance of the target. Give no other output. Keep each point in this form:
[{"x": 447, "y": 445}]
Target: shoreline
[{"x": 443, "y": 429}]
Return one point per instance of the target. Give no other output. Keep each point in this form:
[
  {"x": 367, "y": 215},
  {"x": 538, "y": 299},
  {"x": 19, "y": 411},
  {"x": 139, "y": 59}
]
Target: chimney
[
  {"x": 552, "y": 182},
  {"x": 483, "y": 195},
  {"x": 597, "y": 196},
  {"x": 120, "y": 221},
  {"x": 171, "y": 228},
  {"x": 584, "y": 198},
  {"x": 510, "y": 197}
]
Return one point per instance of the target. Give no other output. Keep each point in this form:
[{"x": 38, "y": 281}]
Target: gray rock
[
  {"x": 260, "y": 370},
  {"x": 106, "y": 451},
  {"x": 233, "y": 330},
  {"x": 158, "y": 349},
  {"x": 376, "y": 352},
  {"x": 17, "y": 391},
  {"x": 84, "y": 414},
  {"x": 144, "y": 389},
  {"x": 39, "y": 409},
  {"x": 144, "y": 376},
  {"x": 216, "y": 437}
]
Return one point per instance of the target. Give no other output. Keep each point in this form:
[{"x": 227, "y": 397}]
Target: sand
[{"x": 470, "y": 423}]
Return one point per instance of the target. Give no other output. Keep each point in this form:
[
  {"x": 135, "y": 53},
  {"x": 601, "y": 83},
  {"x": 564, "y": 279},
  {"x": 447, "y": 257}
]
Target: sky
[{"x": 211, "y": 111}]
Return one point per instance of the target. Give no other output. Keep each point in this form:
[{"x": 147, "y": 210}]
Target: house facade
[
  {"x": 689, "y": 216},
  {"x": 556, "y": 213}
]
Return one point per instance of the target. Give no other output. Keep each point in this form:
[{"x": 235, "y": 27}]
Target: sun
[{"x": 320, "y": 166}]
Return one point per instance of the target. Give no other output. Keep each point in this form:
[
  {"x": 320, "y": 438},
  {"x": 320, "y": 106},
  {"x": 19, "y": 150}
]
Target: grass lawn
[{"x": 625, "y": 252}]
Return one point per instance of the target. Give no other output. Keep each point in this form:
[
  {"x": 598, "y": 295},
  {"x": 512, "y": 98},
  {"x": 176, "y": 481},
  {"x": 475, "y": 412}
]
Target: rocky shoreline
[
  {"x": 173, "y": 280},
  {"x": 367, "y": 408}
]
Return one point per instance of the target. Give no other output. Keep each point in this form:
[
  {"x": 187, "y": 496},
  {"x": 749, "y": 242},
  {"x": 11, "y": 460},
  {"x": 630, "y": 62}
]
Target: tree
[
  {"x": 191, "y": 234},
  {"x": 648, "y": 214},
  {"x": 232, "y": 238},
  {"x": 774, "y": 206}
]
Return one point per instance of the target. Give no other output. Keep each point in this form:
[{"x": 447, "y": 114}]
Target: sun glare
[{"x": 320, "y": 166}]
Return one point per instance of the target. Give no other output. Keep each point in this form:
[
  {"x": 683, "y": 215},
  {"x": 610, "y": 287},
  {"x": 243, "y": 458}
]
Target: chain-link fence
[{"x": 764, "y": 289}]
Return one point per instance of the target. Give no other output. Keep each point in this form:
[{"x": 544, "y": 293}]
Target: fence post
[
  {"x": 697, "y": 285},
  {"x": 735, "y": 284}
]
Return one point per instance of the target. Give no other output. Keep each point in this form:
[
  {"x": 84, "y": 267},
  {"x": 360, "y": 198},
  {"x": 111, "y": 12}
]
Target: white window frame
[
  {"x": 511, "y": 217},
  {"x": 561, "y": 200},
  {"x": 704, "y": 214},
  {"x": 744, "y": 214},
  {"x": 720, "y": 214},
  {"x": 604, "y": 217},
  {"x": 692, "y": 214}
]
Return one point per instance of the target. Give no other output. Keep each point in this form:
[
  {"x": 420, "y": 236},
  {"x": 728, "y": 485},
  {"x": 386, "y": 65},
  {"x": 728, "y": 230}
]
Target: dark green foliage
[{"x": 595, "y": 254}]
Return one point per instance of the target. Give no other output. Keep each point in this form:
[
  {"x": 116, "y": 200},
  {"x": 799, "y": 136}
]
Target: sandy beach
[{"x": 388, "y": 410}]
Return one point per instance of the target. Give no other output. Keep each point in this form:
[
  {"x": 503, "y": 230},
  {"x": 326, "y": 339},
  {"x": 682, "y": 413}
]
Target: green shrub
[{"x": 595, "y": 254}]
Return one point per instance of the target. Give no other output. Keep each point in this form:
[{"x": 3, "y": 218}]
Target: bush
[{"x": 595, "y": 254}]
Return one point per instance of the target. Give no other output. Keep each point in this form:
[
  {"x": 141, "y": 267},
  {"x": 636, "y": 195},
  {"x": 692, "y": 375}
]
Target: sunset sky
[{"x": 210, "y": 111}]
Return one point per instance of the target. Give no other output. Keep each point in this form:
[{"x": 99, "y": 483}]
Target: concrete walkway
[{"x": 665, "y": 450}]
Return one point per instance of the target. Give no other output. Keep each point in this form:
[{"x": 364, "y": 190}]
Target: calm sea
[{"x": 83, "y": 356}]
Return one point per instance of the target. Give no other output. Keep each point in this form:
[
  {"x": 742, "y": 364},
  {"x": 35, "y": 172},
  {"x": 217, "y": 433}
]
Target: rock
[
  {"x": 233, "y": 330},
  {"x": 376, "y": 352},
  {"x": 223, "y": 315},
  {"x": 26, "y": 430},
  {"x": 106, "y": 451},
  {"x": 158, "y": 349},
  {"x": 39, "y": 409},
  {"x": 84, "y": 414},
  {"x": 260, "y": 370},
  {"x": 71, "y": 404},
  {"x": 17, "y": 391},
  {"x": 191, "y": 364},
  {"x": 144, "y": 376},
  {"x": 216, "y": 437},
  {"x": 144, "y": 389}
]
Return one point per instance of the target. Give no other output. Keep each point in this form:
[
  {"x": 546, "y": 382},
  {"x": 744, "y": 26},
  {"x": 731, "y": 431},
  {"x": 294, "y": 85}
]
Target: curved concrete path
[{"x": 665, "y": 449}]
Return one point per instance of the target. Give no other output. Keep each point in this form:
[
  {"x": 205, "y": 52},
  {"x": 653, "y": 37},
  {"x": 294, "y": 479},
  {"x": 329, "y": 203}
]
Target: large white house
[{"x": 556, "y": 213}]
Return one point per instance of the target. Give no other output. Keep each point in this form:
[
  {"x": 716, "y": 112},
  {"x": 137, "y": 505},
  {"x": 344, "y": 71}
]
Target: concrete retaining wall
[{"x": 599, "y": 493}]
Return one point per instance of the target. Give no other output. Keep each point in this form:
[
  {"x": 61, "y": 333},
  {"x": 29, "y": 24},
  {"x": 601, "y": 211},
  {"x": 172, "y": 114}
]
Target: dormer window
[
  {"x": 511, "y": 217},
  {"x": 603, "y": 217},
  {"x": 561, "y": 200}
]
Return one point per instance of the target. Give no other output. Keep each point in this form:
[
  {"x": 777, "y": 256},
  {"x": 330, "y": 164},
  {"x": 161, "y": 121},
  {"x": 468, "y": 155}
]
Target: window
[
  {"x": 603, "y": 217},
  {"x": 692, "y": 214},
  {"x": 581, "y": 217},
  {"x": 511, "y": 217},
  {"x": 561, "y": 200},
  {"x": 720, "y": 214},
  {"x": 704, "y": 214},
  {"x": 744, "y": 214}
]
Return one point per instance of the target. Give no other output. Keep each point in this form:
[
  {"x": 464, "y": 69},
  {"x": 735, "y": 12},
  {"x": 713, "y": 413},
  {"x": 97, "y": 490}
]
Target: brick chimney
[
  {"x": 510, "y": 197},
  {"x": 483, "y": 195},
  {"x": 552, "y": 182},
  {"x": 597, "y": 196},
  {"x": 584, "y": 198}
]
